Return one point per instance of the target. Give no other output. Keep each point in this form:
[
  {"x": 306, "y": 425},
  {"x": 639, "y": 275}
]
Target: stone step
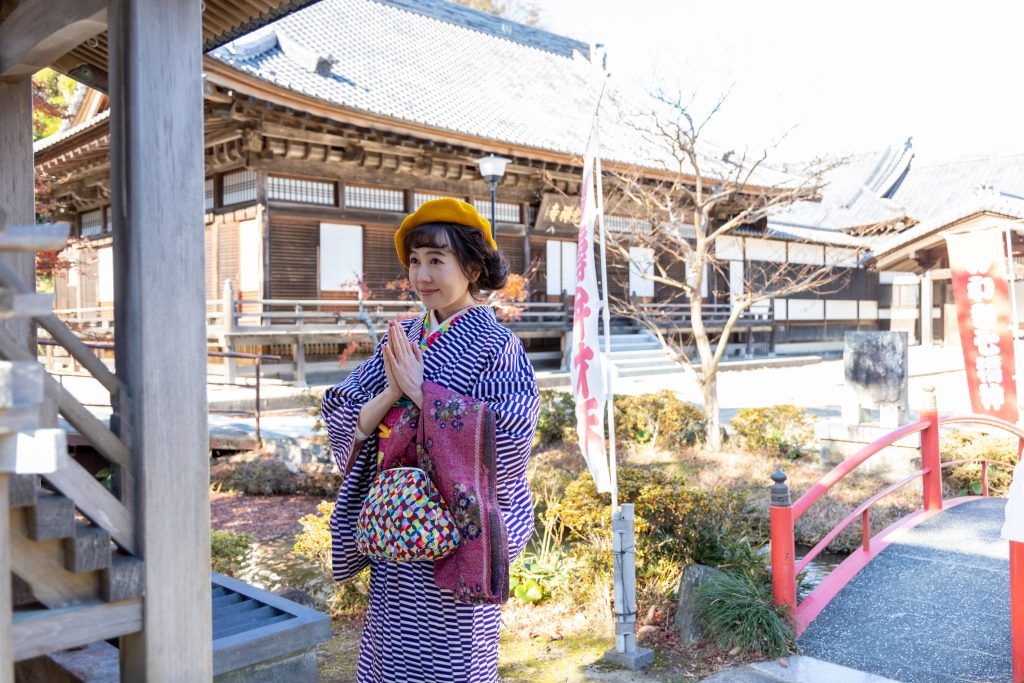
[
  {"x": 647, "y": 372},
  {"x": 633, "y": 346},
  {"x": 52, "y": 516},
  {"x": 88, "y": 550},
  {"x": 659, "y": 360},
  {"x": 617, "y": 356}
]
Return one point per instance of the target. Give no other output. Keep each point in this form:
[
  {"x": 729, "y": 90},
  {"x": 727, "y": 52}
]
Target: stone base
[
  {"x": 299, "y": 667},
  {"x": 634, "y": 662},
  {"x": 839, "y": 441}
]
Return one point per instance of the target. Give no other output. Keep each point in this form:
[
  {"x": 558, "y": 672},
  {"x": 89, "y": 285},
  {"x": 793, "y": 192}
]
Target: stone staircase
[{"x": 640, "y": 354}]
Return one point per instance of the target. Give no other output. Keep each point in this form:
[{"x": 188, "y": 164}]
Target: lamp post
[{"x": 492, "y": 168}]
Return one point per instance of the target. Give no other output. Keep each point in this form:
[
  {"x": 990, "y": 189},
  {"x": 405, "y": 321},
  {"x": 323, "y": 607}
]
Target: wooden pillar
[
  {"x": 299, "y": 350},
  {"x": 17, "y": 198},
  {"x": 926, "y": 308},
  {"x": 17, "y": 184},
  {"x": 263, "y": 218},
  {"x": 157, "y": 186},
  {"x": 227, "y": 328}
]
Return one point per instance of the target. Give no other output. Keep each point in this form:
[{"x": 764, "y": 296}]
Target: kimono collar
[{"x": 428, "y": 334}]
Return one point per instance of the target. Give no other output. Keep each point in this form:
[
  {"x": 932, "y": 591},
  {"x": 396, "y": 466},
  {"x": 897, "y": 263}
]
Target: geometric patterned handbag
[{"x": 404, "y": 519}]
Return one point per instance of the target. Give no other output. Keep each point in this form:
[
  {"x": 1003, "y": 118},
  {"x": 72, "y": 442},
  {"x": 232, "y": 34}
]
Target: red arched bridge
[{"x": 937, "y": 596}]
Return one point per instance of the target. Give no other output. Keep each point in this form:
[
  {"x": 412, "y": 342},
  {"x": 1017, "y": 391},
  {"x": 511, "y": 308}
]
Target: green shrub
[
  {"x": 230, "y": 551},
  {"x": 269, "y": 477},
  {"x": 776, "y": 430},
  {"x": 261, "y": 477},
  {"x": 661, "y": 419},
  {"x": 314, "y": 543},
  {"x": 738, "y": 611},
  {"x": 966, "y": 479},
  {"x": 673, "y": 522},
  {"x": 557, "y": 420}
]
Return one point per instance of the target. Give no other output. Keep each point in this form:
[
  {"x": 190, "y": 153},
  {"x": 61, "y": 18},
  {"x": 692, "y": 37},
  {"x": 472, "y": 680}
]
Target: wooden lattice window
[
  {"x": 419, "y": 198},
  {"x": 301, "y": 191},
  {"x": 92, "y": 223},
  {"x": 506, "y": 212},
  {"x": 626, "y": 224},
  {"x": 379, "y": 198},
  {"x": 239, "y": 187},
  {"x": 209, "y": 191}
]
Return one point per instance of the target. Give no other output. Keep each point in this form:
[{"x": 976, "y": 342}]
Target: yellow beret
[{"x": 446, "y": 210}]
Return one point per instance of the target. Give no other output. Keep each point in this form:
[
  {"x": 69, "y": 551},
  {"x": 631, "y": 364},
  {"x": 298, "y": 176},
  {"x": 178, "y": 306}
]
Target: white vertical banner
[{"x": 587, "y": 371}]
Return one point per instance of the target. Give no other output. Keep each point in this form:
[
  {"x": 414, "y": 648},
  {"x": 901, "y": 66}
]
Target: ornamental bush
[
  {"x": 661, "y": 419},
  {"x": 675, "y": 524},
  {"x": 556, "y": 423},
  {"x": 784, "y": 430},
  {"x": 966, "y": 479},
  {"x": 230, "y": 551},
  {"x": 314, "y": 543},
  {"x": 265, "y": 476}
]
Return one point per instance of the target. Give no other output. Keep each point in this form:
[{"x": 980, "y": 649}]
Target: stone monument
[{"x": 877, "y": 372}]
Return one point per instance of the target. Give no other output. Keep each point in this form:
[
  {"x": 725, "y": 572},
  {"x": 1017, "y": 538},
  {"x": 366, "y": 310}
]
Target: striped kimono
[{"x": 415, "y": 631}]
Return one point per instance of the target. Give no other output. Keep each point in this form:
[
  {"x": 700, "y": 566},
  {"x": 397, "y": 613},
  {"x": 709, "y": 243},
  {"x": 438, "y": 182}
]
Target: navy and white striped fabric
[{"x": 415, "y": 631}]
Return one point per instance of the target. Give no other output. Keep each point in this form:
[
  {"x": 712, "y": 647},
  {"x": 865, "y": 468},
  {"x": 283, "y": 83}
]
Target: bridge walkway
[{"x": 932, "y": 607}]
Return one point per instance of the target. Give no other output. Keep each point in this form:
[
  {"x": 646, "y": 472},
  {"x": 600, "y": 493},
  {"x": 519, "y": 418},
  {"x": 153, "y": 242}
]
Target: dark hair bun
[{"x": 494, "y": 270}]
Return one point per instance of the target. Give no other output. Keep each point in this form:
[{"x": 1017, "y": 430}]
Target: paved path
[{"x": 933, "y": 607}]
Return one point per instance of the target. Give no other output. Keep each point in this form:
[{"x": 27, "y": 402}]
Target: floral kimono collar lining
[{"x": 427, "y": 338}]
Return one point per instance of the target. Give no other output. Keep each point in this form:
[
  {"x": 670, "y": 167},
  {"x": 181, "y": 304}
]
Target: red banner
[{"x": 982, "y": 294}]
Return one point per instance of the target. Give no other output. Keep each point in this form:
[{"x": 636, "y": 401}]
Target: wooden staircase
[{"x": 69, "y": 540}]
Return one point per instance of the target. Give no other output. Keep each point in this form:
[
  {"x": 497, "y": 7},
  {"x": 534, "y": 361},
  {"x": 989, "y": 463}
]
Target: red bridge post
[
  {"x": 1017, "y": 609},
  {"x": 783, "y": 545},
  {"x": 931, "y": 462}
]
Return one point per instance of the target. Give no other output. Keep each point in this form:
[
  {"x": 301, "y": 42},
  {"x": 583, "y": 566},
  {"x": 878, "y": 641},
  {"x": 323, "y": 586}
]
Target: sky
[{"x": 817, "y": 78}]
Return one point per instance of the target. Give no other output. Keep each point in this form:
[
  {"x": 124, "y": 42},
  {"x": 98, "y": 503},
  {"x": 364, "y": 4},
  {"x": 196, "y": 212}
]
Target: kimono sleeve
[
  {"x": 342, "y": 403},
  {"x": 509, "y": 386},
  {"x": 340, "y": 410}
]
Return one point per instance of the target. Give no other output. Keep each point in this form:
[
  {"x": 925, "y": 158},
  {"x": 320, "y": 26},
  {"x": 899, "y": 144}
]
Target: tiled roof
[
  {"x": 887, "y": 187},
  {"x": 47, "y": 142},
  {"x": 982, "y": 201},
  {"x": 856, "y": 193},
  {"x": 452, "y": 68},
  {"x": 388, "y": 60}
]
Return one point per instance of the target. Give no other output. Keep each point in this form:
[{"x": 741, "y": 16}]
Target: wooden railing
[
  {"x": 678, "y": 316},
  {"x": 57, "y": 557}
]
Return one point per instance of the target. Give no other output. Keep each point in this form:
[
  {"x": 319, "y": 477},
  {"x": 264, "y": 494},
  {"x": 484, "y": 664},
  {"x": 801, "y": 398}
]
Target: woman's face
[{"x": 437, "y": 277}]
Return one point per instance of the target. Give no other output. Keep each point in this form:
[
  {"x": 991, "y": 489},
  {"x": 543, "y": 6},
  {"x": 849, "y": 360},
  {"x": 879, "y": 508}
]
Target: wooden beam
[
  {"x": 40, "y": 31},
  {"x": 38, "y": 632},
  {"x": 6, "y": 649},
  {"x": 157, "y": 108}
]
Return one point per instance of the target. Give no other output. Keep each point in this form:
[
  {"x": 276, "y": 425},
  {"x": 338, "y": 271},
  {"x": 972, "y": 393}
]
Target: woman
[{"x": 416, "y": 631}]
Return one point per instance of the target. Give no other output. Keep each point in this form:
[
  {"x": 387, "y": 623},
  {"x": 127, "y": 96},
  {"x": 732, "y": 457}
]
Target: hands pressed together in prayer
[{"x": 403, "y": 363}]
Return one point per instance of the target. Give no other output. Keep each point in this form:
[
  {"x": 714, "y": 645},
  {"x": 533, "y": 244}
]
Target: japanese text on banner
[
  {"x": 587, "y": 371},
  {"x": 982, "y": 295}
]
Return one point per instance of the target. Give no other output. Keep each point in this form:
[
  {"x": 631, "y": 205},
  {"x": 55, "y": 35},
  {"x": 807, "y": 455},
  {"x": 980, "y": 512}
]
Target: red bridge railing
[{"x": 785, "y": 513}]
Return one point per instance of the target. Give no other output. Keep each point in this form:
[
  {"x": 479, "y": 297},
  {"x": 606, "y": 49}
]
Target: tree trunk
[{"x": 709, "y": 385}]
